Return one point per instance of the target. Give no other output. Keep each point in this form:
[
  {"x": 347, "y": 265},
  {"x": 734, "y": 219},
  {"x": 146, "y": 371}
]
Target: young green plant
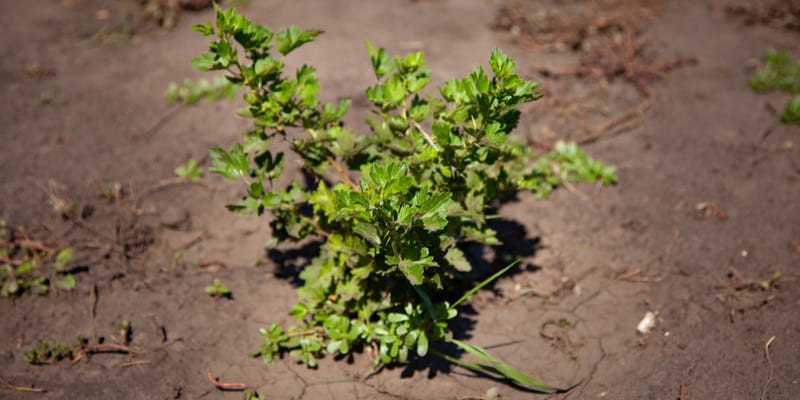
[
  {"x": 25, "y": 262},
  {"x": 393, "y": 207},
  {"x": 780, "y": 72},
  {"x": 217, "y": 290}
]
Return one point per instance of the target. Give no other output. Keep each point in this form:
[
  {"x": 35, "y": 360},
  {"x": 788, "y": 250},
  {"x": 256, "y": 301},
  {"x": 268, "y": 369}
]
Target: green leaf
[
  {"x": 502, "y": 65},
  {"x": 396, "y": 317},
  {"x": 457, "y": 259},
  {"x": 494, "y": 366},
  {"x": 233, "y": 164},
  {"x": 434, "y": 208},
  {"x": 267, "y": 65},
  {"x": 205, "y": 28},
  {"x": 190, "y": 170},
  {"x": 291, "y": 38},
  {"x": 26, "y": 267},
  {"x": 413, "y": 271},
  {"x": 63, "y": 257},
  {"x": 422, "y": 344},
  {"x": 205, "y": 62},
  {"x": 225, "y": 52},
  {"x": 792, "y": 112},
  {"x": 485, "y": 282},
  {"x": 381, "y": 62},
  {"x": 66, "y": 283},
  {"x": 394, "y": 90},
  {"x": 368, "y": 232}
]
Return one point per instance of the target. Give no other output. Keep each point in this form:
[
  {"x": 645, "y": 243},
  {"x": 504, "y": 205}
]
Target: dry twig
[
  {"x": 342, "y": 173},
  {"x": 21, "y": 388},
  {"x": 165, "y": 183},
  {"x": 769, "y": 362},
  {"x": 623, "y": 121}
]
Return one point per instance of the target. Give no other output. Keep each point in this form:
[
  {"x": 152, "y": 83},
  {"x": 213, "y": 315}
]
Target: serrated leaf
[
  {"x": 381, "y": 62},
  {"x": 414, "y": 272},
  {"x": 368, "y": 232},
  {"x": 205, "y": 28},
  {"x": 502, "y": 65},
  {"x": 434, "y": 208},
  {"x": 231, "y": 164},
  {"x": 204, "y": 62},
  {"x": 267, "y": 65},
  {"x": 394, "y": 91},
  {"x": 291, "y": 38}
]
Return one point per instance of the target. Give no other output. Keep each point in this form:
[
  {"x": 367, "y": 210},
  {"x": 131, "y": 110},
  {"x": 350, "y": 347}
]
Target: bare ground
[{"x": 599, "y": 264}]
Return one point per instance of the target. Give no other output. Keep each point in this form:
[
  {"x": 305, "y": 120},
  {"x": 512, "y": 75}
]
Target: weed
[
  {"x": 394, "y": 207},
  {"x": 218, "y": 290},
  {"x": 48, "y": 353},
  {"x": 20, "y": 261},
  {"x": 780, "y": 72},
  {"x": 251, "y": 394},
  {"x": 125, "y": 332},
  {"x": 190, "y": 171}
]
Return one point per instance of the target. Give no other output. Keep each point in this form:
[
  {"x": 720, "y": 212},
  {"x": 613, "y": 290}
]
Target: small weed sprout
[
  {"x": 780, "y": 72},
  {"x": 217, "y": 290},
  {"x": 189, "y": 171},
  {"x": 23, "y": 264}
]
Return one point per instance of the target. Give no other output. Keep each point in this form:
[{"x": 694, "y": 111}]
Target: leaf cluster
[
  {"x": 22, "y": 261},
  {"x": 47, "y": 352},
  {"x": 394, "y": 206},
  {"x": 780, "y": 72}
]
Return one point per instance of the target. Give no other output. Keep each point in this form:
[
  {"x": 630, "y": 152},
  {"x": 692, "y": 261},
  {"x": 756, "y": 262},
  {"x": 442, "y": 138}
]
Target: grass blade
[
  {"x": 472, "y": 291},
  {"x": 496, "y": 366}
]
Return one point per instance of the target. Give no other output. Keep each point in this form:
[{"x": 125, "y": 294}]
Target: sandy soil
[{"x": 600, "y": 264}]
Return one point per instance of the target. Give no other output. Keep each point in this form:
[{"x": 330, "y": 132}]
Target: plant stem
[
  {"x": 306, "y": 332},
  {"x": 342, "y": 173}
]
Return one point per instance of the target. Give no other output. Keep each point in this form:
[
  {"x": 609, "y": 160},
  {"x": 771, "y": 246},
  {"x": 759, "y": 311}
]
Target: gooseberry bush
[{"x": 393, "y": 207}]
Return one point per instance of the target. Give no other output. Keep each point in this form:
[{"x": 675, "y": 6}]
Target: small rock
[{"x": 647, "y": 323}]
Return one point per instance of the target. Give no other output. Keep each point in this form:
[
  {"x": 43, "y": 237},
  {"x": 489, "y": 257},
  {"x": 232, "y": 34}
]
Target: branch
[
  {"x": 342, "y": 173},
  {"x": 425, "y": 134},
  {"x": 21, "y": 388}
]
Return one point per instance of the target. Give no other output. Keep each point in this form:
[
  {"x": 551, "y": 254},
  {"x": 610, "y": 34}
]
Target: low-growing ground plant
[
  {"x": 46, "y": 352},
  {"x": 217, "y": 290},
  {"x": 28, "y": 265},
  {"x": 780, "y": 72},
  {"x": 393, "y": 207}
]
